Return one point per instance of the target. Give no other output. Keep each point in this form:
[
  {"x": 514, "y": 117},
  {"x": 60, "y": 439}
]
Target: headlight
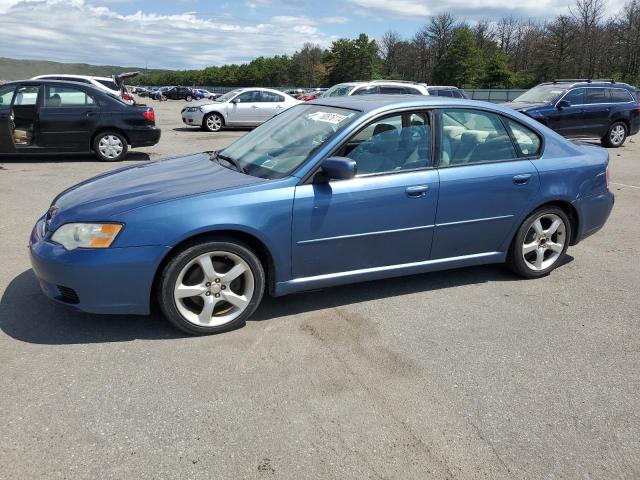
[
  {"x": 192, "y": 109},
  {"x": 86, "y": 235}
]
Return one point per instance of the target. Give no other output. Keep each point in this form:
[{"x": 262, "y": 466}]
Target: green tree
[
  {"x": 497, "y": 73},
  {"x": 350, "y": 60},
  {"x": 461, "y": 64}
]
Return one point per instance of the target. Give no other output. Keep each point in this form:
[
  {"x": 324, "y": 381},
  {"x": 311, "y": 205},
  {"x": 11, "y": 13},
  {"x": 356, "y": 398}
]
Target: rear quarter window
[{"x": 619, "y": 95}]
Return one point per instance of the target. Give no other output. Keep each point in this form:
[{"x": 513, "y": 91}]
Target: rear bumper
[
  {"x": 593, "y": 213},
  {"x": 144, "y": 137},
  {"x": 109, "y": 281}
]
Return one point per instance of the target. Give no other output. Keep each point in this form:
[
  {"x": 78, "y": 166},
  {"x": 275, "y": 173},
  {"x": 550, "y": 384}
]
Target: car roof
[
  {"x": 71, "y": 75},
  {"x": 587, "y": 83},
  {"x": 46, "y": 81},
  {"x": 368, "y": 103}
]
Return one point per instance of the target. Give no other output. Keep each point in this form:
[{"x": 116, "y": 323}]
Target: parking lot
[{"x": 470, "y": 373}]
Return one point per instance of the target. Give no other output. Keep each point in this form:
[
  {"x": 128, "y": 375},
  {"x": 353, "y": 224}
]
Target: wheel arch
[
  {"x": 206, "y": 114},
  {"x": 252, "y": 241},
  {"x": 569, "y": 209}
]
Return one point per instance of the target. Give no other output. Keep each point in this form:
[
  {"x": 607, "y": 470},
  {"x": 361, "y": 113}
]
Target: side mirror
[
  {"x": 235, "y": 100},
  {"x": 339, "y": 168},
  {"x": 562, "y": 104}
]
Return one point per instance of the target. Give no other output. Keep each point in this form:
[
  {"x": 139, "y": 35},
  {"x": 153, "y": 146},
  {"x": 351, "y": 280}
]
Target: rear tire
[
  {"x": 189, "y": 98},
  {"x": 616, "y": 135},
  {"x": 540, "y": 243},
  {"x": 110, "y": 146},
  {"x": 211, "y": 287}
]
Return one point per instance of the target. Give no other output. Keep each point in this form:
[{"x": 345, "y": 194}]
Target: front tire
[
  {"x": 616, "y": 135},
  {"x": 110, "y": 146},
  {"x": 213, "y": 122},
  {"x": 540, "y": 243},
  {"x": 189, "y": 98},
  {"x": 211, "y": 287}
]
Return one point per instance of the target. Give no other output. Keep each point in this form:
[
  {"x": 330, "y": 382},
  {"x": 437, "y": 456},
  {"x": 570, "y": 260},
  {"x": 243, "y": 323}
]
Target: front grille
[{"x": 68, "y": 295}]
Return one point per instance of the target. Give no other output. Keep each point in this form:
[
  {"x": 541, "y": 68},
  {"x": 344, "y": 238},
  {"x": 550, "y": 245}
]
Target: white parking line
[{"x": 624, "y": 185}]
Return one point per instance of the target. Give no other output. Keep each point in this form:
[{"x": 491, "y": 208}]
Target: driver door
[
  {"x": 384, "y": 216},
  {"x": 245, "y": 109},
  {"x": 6, "y": 138}
]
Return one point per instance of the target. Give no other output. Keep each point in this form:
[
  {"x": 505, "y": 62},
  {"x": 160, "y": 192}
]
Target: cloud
[
  {"x": 468, "y": 8},
  {"x": 77, "y": 31}
]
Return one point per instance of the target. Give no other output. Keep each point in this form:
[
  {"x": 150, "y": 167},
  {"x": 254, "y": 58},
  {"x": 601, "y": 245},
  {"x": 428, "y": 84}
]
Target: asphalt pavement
[{"x": 465, "y": 374}]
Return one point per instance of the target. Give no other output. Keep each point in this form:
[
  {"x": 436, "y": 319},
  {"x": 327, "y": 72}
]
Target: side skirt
[{"x": 389, "y": 271}]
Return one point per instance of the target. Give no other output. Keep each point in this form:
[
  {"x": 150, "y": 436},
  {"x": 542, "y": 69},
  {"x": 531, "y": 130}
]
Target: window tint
[
  {"x": 597, "y": 95},
  {"x": 57, "y": 97},
  {"x": 399, "y": 142},
  {"x": 527, "y": 139},
  {"x": 393, "y": 90},
  {"x": 457, "y": 94},
  {"x": 272, "y": 97},
  {"x": 252, "y": 96},
  {"x": 109, "y": 84},
  {"x": 618, "y": 95},
  {"x": 6, "y": 95},
  {"x": 472, "y": 136},
  {"x": 26, "y": 96},
  {"x": 575, "y": 97},
  {"x": 366, "y": 91}
]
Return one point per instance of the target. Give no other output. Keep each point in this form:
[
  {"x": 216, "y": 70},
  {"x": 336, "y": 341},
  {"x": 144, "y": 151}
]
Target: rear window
[
  {"x": 59, "y": 97},
  {"x": 110, "y": 84},
  {"x": 597, "y": 95},
  {"x": 619, "y": 95}
]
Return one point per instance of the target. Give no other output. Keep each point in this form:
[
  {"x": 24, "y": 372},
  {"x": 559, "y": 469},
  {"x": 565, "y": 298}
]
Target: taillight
[
  {"x": 149, "y": 115},
  {"x": 127, "y": 97}
]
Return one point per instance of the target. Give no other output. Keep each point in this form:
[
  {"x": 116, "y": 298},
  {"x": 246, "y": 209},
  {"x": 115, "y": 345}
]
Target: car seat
[
  {"x": 371, "y": 155},
  {"x": 54, "y": 101}
]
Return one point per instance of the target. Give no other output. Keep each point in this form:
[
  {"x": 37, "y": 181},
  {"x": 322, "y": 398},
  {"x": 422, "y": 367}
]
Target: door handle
[
  {"x": 254, "y": 107},
  {"x": 417, "y": 191},
  {"x": 522, "y": 179},
  {"x": 279, "y": 107},
  {"x": 89, "y": 113}
]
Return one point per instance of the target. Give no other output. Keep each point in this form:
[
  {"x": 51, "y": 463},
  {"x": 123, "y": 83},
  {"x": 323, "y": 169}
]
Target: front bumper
[
  {"x": 144, "y": 137},
  {"x": 192, "y": 118},
  {"x": 108, "y": 281}
]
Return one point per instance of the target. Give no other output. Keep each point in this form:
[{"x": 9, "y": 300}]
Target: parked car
[
  {"x": 373, "y": 87},
  {"x": 51, "y": 116},
  {"x": 329, "y": 192},
  {"x": 200, "y": 93},
  {"x": 159, "y": 93},
  {"x": 114, "y": 85},
  {"x": 244, "y": 107},
  {"x": 313, "y": 94},
  {"x": 179, "y": 93},
  {"x": 606, "y": 110},
  {"x": 444, "y": 91}
]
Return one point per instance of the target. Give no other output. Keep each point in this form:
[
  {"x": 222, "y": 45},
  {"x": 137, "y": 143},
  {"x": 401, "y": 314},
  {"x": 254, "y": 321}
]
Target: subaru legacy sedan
[{"x": 333, "y": 191}]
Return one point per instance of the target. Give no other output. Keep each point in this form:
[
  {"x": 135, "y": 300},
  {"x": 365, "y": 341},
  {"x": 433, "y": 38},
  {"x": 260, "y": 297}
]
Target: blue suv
[{"x": 607, "y": 110}]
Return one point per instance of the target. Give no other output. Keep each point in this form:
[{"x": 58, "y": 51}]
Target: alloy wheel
[
  {"x": 110, "y": 146},
  {"x": 544, "y": 242},
  {"x": 213, "y": 289},
  {"x": 214, "y": 122},
  {"x": 617, "y": 134}
]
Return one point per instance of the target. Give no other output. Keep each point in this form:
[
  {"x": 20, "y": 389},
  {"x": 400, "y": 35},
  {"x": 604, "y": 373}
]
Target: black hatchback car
[
  {"x": 607, "y": 110},
  {"x": 54, "y": 116},
  {"x": 179, "y": 93}
]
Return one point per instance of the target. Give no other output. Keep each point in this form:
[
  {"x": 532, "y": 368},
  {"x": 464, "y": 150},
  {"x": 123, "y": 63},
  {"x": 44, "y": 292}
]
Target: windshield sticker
[{"x": 328, "y": 117}]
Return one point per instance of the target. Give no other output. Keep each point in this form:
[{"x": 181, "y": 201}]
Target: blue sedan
[{"x": 329, "y": 192}]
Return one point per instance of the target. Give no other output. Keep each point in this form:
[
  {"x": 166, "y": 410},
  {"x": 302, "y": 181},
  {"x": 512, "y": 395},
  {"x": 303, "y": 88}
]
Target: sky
[{"x": 183, "y": 34}]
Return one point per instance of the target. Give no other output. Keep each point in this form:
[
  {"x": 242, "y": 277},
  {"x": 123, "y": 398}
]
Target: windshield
[
  {"x": 279, "y": 146},
  {"x": 228, "y": 96},
  {"x": 541, "y": 94},
  {"x": 338, "y": 91}
]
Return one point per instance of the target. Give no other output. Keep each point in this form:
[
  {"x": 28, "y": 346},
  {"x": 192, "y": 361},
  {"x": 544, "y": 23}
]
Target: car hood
[
  {"x": 523, "y": 107},
  {"x": 102, "y": 197}
]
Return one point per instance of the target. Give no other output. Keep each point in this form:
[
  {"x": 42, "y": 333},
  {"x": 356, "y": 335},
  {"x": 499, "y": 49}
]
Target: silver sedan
[{"x": 244, "y": 107}]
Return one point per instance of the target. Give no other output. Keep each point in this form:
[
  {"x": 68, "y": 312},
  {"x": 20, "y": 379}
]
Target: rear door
[
  {"x": 272, "y": 104},
  {"x": 68, "y": 118},
  {"x": 487, "y": 183},
  {"x": 597, "y": 111},
  {"x": 6, "y": 140}
]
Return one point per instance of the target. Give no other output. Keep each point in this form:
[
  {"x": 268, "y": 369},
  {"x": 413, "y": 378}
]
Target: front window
[
  {"x": 541, "y": 94},
  {"x": 279, "y": 146},
  {"x": 6, "y": 95},
  {"x": 227, "y": 96},
  {"x": 338, "y": 91},
  {"x": 26, "y": 96}
]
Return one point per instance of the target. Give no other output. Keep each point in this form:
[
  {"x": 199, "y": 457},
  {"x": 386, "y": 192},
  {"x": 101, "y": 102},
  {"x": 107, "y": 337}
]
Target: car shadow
[
  {"x": 68, "y": 157},
  {"x": 27, "y": 315},
  {"x": 197, "y": 128}
]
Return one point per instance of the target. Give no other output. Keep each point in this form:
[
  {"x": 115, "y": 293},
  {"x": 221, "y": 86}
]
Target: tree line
[{"x": 508, "y": 53}]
